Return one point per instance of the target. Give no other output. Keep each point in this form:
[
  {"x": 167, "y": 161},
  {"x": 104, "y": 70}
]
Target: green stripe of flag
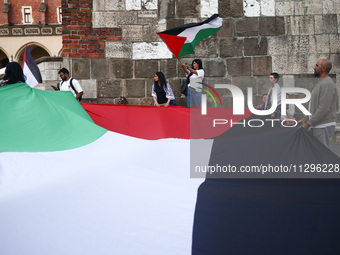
[
  {"x": 193, "y": 33},
  {"x": 188, "y": 48},
  {"x": 38, "y": 121}
]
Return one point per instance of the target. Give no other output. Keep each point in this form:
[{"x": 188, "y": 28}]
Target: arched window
[
  {"x": 36, "y": 52},
  {"x": 3, "y": 59}
]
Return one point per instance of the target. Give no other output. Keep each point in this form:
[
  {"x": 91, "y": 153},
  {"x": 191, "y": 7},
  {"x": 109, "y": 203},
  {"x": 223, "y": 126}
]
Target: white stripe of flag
[{"x": 30, "y": 69}]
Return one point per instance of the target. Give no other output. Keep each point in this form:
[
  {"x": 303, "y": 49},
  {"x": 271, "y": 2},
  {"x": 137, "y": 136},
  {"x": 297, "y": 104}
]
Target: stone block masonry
[{"x": 115, "y": 43}]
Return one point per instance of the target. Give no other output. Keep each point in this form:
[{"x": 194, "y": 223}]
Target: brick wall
[
  {"x": 257, "y": 37},
  {"x": 15, "y": 11},
  {"x": 39, "y": 14},
  {"x": 80, "y": 39},
  {"x": 51, "y": 11},
  {"x": 4, "y": 15}
]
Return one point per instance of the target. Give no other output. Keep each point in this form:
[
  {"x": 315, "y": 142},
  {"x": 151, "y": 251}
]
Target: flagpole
[{"x": 181, "y": 63}]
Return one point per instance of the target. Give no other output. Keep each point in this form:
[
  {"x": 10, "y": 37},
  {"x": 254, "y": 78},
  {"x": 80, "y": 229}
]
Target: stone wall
[
  {"x": 49, "y": 67},
  {"x": 114, "y": 43}
]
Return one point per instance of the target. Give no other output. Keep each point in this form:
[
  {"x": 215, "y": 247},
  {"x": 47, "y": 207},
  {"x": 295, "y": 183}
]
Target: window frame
[
  {"x": 59, "y": 15},
  {"x": 24, "y": 14}
]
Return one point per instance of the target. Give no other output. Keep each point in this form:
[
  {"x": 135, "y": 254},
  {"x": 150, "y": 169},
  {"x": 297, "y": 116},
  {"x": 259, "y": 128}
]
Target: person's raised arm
[{"x": 185, "y": 68}]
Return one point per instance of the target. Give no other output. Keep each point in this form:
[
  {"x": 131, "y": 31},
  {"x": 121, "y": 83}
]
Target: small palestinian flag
[
  {"x": 182, "y": 40},
  {"x": 30, "y": 69}
]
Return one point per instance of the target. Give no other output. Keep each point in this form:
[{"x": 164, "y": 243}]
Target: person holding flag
[
  {"x": 181, "y": 41},
  {"x": 195, "y": 76}
]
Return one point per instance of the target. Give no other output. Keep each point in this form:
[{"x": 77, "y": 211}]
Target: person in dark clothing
[
  {"x": 161, "y": 91},
  {"x": 13, "y": 74}
]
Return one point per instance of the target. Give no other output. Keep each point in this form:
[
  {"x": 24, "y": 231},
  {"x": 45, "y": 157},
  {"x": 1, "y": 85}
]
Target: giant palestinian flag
[
  {"x": 183, "y": 39},
  {"x": 294, "y": 212},
  {"x": 70, "y": 186}
]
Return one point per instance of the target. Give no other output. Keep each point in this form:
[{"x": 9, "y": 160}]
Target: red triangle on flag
[{"x": 173, "y": 42}]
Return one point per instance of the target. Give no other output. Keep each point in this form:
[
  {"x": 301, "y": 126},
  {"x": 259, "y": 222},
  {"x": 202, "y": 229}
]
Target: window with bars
[{"x": 27, "y": 14}]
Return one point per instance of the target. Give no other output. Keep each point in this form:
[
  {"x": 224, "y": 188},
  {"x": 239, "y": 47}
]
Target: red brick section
[
  {"x": 80, "y": 39},
  {"x": 15, "y": 12},
  {"x": 52, "y": 11},
  {"x": 3, "y": 16}
]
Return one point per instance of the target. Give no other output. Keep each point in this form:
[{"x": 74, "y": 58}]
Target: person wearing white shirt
[
  {"x": 273, "y": 80},
  {"x": 195, "y": 76},
  {"x": 69, "y": 84}
]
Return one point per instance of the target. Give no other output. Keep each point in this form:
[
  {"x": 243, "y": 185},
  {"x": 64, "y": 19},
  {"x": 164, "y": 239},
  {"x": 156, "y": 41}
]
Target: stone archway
[
  {"x": 3, "y": 58},
  {"x": 37, "y": 51},
  {"x": 60, "y": 54}
]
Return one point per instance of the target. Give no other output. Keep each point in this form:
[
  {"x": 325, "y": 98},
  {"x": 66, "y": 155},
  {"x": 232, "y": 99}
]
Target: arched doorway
[
  {"x": 60, "y": 54},
  {"x": 3, "y": 59},
  {"x": 37, "y": 51}
]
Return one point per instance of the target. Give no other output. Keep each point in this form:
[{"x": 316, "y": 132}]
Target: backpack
[
  {"x": 184, "y": 88},
  {"x": 71, "y": 84}
]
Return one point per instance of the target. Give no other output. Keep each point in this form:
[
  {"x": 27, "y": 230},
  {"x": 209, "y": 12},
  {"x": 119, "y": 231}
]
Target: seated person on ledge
[{"x": 161, "y": 91}]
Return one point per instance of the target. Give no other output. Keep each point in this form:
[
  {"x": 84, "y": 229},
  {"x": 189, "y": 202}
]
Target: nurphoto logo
[{"x": 238, "y": 103}]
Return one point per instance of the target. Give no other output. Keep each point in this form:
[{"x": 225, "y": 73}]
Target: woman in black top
[
  {"x": 161, "y": 91},
  {"x": 13, "y": 74}
]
